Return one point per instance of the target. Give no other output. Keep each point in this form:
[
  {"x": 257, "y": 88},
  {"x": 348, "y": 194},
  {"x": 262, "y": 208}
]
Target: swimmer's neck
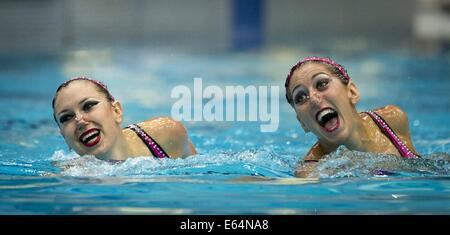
[
  {"x": 358, "y": 139},
  {"x": 119, "y": 151}
]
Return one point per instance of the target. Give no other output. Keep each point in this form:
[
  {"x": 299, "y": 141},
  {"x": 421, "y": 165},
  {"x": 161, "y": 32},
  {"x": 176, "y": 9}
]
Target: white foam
[{"x": 244, "y": 163}]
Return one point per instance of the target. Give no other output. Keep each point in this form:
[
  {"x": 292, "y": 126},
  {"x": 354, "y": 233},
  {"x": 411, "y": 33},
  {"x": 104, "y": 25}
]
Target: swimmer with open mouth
[
  {"x": 89, "y": 119},
  {"x": 324, "y": 99}
]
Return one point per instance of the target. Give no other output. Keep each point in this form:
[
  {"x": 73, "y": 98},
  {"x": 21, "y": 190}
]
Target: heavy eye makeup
[
  {"x": 300, "y": 95},
  {"x": 322, "y": 82},
  {"x": 89, "y": 104},
  {"x": 65, "y": 117},
  {"x": 86, "y": 106}
]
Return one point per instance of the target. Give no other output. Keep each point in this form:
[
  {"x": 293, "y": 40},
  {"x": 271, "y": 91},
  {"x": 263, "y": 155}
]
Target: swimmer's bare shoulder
[
  {"x": 397, "y": 119},
  {"x": 171, "y": 135},
  {"x": 307, "y": 165}
]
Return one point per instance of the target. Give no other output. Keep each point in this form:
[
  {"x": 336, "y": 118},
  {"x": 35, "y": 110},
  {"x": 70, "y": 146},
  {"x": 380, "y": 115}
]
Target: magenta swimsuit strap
[
  {"x": 387, "y": 130},
  {"x": 154, "y": 147}
]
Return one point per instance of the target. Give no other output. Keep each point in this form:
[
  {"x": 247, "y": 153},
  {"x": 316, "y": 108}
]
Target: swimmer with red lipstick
[
  {"x": 324, "y": 99},
  {"x": 89, "y": 119}
]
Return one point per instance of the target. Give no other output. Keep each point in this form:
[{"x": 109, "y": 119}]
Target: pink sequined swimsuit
[
  {"x": 154, "y": 147},
  {"x": 387, "y": 130}
]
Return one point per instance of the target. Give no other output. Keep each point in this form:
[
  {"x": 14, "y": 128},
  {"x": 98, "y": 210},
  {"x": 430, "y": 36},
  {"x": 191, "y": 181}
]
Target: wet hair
[
  {"x": 101, "y": 88},
  {"x": 334, "y": 68}
]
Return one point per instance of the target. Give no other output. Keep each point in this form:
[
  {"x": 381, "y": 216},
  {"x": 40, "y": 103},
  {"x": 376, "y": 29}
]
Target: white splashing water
[
  {"x": 346, "y": 163},
  {"x": 259, "y": 162},
  {"x": 341, "y": 163}
]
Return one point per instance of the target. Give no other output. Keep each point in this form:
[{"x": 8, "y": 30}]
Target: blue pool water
[{"x": 238, "y": 170}]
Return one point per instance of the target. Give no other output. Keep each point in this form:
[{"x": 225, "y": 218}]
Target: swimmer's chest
[
  {"x": 379, "y": 142},
  {"x": 136, "y": 145}
]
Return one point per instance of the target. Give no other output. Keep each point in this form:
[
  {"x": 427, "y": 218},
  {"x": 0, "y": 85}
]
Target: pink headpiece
[
  {"x": 326, "y": 60},
  {"x": 96, "y": 82}
]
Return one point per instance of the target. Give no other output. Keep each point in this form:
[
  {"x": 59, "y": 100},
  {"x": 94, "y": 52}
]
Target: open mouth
[
  {"x": 328, "y": 119},
  {"x": 90, "y": 137}
]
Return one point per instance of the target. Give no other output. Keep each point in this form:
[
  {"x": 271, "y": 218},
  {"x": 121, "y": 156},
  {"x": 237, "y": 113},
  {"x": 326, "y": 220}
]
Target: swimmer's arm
[
  {"x": 183, "y": 141},
  {"x": 171, "y": 135},
  {"x": 191, "y": 149},
  {"x": 308, "y": 164},
  {"x": 398, "y": 121}
]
